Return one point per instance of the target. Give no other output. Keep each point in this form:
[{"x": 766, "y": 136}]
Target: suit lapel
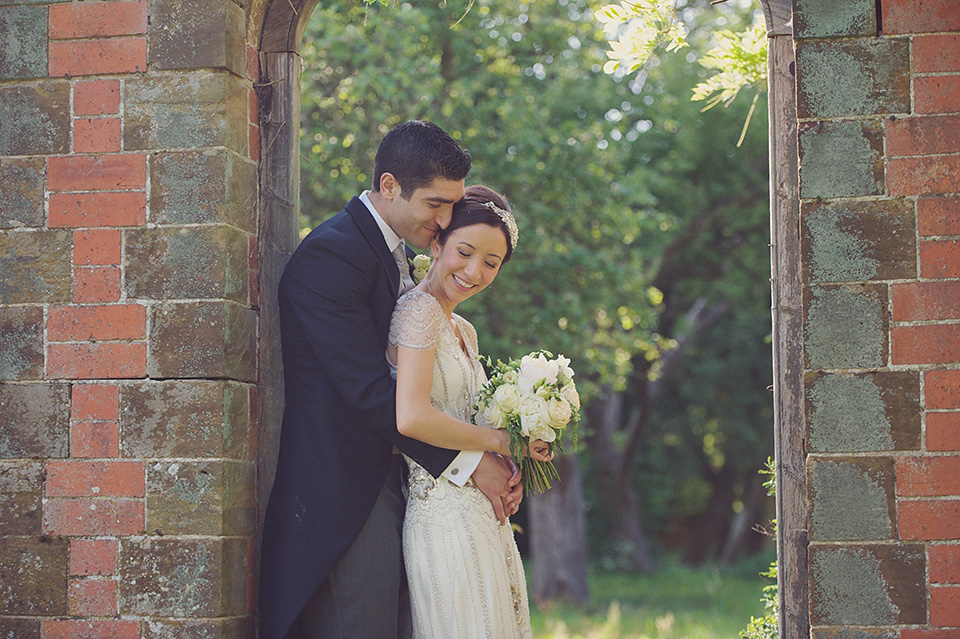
[{"x": 371, "y": 233}]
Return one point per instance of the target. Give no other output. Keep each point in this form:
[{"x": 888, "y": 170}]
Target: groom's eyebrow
[{"x": 441, "y": 200}]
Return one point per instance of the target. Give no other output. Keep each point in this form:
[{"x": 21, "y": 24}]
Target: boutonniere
[{"x": 420, "y": 264}]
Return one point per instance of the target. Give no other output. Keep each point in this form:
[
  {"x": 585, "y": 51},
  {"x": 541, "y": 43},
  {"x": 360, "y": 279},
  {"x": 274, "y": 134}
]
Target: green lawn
[{"x": 674, "y": 603}]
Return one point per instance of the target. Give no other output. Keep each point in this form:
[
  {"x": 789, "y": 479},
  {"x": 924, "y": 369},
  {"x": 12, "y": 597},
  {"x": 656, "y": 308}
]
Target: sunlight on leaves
[{"x": 636, "y": 29}]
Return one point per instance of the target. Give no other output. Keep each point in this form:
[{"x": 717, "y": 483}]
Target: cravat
[{"x": 400, "y": 256}]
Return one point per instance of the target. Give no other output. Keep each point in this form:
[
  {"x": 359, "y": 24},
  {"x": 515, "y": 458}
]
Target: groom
[{"x": 331, "y": 563}]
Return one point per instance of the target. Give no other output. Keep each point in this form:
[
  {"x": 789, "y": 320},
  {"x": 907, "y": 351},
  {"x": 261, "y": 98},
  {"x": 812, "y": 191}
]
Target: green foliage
[{"x": 767, "y": 626}]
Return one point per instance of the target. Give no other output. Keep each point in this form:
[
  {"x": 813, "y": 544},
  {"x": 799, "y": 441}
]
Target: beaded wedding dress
[{"x": 464, "y": 571}]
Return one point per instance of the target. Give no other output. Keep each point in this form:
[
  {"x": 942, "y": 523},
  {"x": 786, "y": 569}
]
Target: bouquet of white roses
[{"x": 533, "y": 398}]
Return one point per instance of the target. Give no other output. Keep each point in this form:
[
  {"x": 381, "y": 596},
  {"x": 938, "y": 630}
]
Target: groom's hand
[{"x": 499, "y": 483}]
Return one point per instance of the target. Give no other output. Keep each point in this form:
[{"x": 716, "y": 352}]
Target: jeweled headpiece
[{"x": 508, "y": 220}]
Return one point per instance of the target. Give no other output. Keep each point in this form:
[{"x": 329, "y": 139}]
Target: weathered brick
[
  {"x": 938, "y": 216},
  {"x": 97, "y": 57},
  {"x": 96, "y": 97},
  {"x": 254, "y": 142},
  {"x": 926, "y": 476},
  {"x": 228, "y": 628},
  {"x": 942, "y": 389},
  {"x": 43, "y": 110},
  {"x": 940, "y": 258},
  {"x": 95, "y": 479},
  {"x": 923, "y": 135},
  {"x": 94, "y": 439},
  {"x": 72, "y": 210},
  {"x": 34, "y": 420},
  {"x": 97, "y": 172},
  {"x": 936, "y": 94},
  {"x": 35, "y": 266},
  {"x": 929, "y": 519},
  {"x": 945, "y": 564},
  {"x": 92, "y": 597},
  {"x": 93, "y": 517},
  {"x": 859, "y": 76},
  {"x": 926, "y": 344},
  {"x": 865, "y": 412},
  {"x": 841, "y": 159},
  {"x": 184, "y": 419},
  {"x": 919, "y": 16},
  {"x": 919, "y": 301},
  {"x": 851, "y": 499},
  {"x": 936, "y": 53},
  {"x": 820, "y": 632},
  {"x": 203, "y": 339},
  {"x": 106, "y": 360},
  {"x": 23, "y": 42},
  {"x": 200, "y": 187},
  {"x": 858, "y": 241},
  {"x": 867, "y": 585},
  {"x": 930, "y": 175},
  {"x": 943, "y": 431},
  {"x": 927, "y": 633},
  {"x": 845, "y": 326},
  {"x": 19, "y": 627},
  {"x": 90, "y": 629},
  {"x": 945, "y": 606},
  {"x": 96, "y": 135},
  {"x": 21, "y": 494},
  {"x": 187, "y": 263},
  {"x": 182, "y": 577},
  {"x": 205, "y": 34},
  {"x": 21, "y": 343},
  {"x": 201, "y": 498},
  {"x": 96, "y": 285},
  {"x": 33, "y": 572},
  {"x": 97, "y": 247},
  {"x": 253, "y": 65},
  {"x": 95, "y": 20},
  {"x": 93, "y": 556},
  {"x": 74, "y": 323},
  {"x": 185, "y": 110},
  {"x": 826, "y": 19},
  {"x": 21, "y": 199},
  {"x": 95, "y": 401}
]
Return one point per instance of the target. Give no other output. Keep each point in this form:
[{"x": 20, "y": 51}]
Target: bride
[{"x": 463, "y": 568}]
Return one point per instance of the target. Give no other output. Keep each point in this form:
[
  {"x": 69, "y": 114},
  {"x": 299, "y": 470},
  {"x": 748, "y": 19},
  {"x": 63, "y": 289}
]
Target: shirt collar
[{"x": 389, "y": 235}]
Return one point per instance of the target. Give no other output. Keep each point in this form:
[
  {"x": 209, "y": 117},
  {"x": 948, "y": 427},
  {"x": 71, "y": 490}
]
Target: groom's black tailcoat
[{"x": 339, "y": 426}]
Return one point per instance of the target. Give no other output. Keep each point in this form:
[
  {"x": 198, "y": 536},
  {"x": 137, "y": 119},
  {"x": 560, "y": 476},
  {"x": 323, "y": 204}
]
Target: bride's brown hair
[{"x": 472, "y": 209}]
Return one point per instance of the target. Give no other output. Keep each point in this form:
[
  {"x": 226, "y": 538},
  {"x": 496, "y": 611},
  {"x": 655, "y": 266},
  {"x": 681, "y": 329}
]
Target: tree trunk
[{"x": 558, "y": 539}]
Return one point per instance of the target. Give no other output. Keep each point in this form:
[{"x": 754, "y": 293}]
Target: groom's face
[{"x": 419, "y": 217}]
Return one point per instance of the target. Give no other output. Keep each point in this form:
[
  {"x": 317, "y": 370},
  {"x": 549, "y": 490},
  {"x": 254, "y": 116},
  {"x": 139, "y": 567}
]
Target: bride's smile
[{"x": 465, "y": 264}]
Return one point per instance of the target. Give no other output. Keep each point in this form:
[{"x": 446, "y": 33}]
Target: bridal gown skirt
[{"x": 464, "y": 571}]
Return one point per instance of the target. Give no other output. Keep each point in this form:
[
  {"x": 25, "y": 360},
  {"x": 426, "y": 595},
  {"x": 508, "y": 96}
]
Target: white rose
[
  {"x": 535, "y": 369},
  {"x": 533, "y": 414},
  {"x": 421, "y": 261},
  {"x": 569, "y": 392},
  {"x": 507, "y": 397},
  {"x": 559, "y": 412},
  {"x": 511, "y": 377},
  {"x": 489, "y": 415},
  {"x": 544, "y": 432},
  {"x": 564, "y": 365}
]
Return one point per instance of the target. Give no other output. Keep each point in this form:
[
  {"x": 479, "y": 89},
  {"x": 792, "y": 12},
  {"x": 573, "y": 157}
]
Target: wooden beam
[
  {"x": 284, "y": 23},
  {"x": 779, "y": 16}
]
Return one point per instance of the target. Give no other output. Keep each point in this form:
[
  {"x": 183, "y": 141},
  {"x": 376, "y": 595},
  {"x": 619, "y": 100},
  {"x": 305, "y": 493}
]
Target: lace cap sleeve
[
  {"x": 469, "y": 334},
  {"x": 417, "y": 321}
]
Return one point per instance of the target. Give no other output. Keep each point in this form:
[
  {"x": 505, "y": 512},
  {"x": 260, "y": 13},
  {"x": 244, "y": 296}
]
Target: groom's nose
[{"x": 444, "y": 217}]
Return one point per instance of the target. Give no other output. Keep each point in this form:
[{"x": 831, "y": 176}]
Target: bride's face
[{"x": 468, "y": 261}]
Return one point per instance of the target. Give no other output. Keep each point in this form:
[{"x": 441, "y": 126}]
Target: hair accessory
[{"x": 508, "y": 220}]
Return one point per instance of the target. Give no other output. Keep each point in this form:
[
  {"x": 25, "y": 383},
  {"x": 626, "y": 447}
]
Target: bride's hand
[{"x": 539, "y": 450}]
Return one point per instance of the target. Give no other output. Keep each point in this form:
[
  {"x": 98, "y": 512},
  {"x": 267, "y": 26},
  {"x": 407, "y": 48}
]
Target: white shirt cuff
[{"x": 462, "y": 466}]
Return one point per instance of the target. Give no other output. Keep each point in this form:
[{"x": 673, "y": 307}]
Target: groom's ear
[{"x": 389, "y": 187}]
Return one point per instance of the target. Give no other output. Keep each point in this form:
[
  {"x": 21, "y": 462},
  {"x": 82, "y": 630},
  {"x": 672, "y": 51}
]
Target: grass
[{"x": 676, "y": 602}]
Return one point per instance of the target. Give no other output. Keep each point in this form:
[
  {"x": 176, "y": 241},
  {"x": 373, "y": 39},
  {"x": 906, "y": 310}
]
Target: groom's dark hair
[{"x": 417, "y": 152}]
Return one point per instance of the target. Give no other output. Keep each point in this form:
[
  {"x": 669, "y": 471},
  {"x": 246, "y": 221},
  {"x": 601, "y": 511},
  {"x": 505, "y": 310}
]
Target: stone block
[
  {"x": 185, "y": 110},
  {"x": 182, "y": 577},
  {"x": 860, "y": 76},
  {"x": 35, "y": 119},
  {"x": 855, "y": 633},
  {"x": 21, "y": 343},
  {"x": 34, "y": 420},
  {"x": 203, "y": 187},
  {"x": 187, "y": 263},
  {"x": 19, "y": 628},
  {"x": 845, "y": 326},
  {"x": 184, "y": 419},
  {"x": 229, "y": 628},
  {"x": 846, "y": 241},
  {"x": 21, "y": 494},
  {"x": 205, "y": 34},
  {"x": 21, "y": 199},
  {"x": 201, "y": 498},
  {"x": 203, "y": 339},
  {"x": 33, "y": 576},
  {"x": 841, "y": 159},
  {"x": 866, "y": 412},
  {"x": 23, "y": 42},
  {"x": 867, "y": 585},
  {"x": 831, "y": 19},
  {"x": 36, "y": 266},
  {"x": 852, "y": 499}
]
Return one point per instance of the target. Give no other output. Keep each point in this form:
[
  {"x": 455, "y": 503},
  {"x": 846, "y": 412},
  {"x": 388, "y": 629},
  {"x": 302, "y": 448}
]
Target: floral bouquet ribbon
[{"x": 533, "y": 398}]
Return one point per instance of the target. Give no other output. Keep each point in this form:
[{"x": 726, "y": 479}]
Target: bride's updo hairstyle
[{"x": 482, "y": 205}]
